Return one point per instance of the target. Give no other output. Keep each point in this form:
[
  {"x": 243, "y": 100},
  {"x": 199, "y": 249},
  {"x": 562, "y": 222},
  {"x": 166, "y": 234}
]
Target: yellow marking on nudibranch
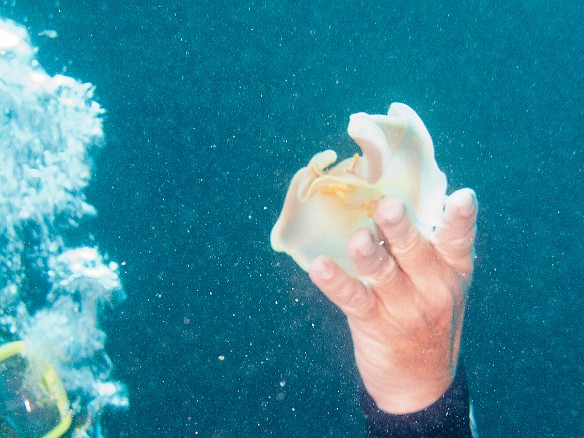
[
  {"x": 370, "y": 207},
  {"x": 315, "y": 171},
  {"x": 342, "y": 193},
  {"x": 338, "y": 190},
  {"x": 352, "y": 167}
]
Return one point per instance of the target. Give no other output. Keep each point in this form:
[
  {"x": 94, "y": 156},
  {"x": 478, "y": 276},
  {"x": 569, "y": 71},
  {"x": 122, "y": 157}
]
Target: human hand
[{"x": 406, "y": 324}]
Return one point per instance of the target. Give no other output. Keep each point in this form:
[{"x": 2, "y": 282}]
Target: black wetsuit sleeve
[{"x": 447, "y": 417}]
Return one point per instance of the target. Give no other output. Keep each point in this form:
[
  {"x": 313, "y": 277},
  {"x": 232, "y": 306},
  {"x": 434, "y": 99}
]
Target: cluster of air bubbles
[{"x": 52, "y": 294}]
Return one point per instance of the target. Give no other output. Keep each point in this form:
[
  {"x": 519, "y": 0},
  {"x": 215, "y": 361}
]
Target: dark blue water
[{"x": 212, "y": 106}]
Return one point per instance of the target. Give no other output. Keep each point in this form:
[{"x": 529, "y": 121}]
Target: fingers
[
  {"x": 368, "y": 255},
  {"x": 349, "y": 294},
  {"x": 375, "y": 265},
  {"x": 411, "y": 251},
  {"x": 391, "y": 269},
  {"x": 455, "y": 236}
]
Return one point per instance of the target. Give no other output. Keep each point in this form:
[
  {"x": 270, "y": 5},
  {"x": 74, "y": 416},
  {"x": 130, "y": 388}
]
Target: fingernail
[
  {"x": 365, "y": 246},
  {"x": 325, "y": 269},
  {"x": 391, "y": 211},
  {"x": 468, "y": 208}
]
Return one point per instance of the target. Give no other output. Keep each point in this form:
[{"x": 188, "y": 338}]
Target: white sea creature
[{"x": 325, "y": 205}]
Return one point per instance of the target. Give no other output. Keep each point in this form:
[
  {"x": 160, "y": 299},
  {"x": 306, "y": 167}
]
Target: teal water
[{"x": 212, "y": 106}]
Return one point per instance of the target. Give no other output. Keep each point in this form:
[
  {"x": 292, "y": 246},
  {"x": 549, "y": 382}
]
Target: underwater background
[{"x": 211, "y": 108}]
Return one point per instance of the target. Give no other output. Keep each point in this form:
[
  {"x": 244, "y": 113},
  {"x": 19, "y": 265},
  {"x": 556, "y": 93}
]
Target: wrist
[
  {"x": 448, "y": 416},
  {"x": 406, "y": 384},
  {"x": 410, "y": 395}
]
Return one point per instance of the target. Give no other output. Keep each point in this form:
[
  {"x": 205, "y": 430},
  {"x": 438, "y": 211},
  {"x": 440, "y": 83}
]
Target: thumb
[{"x": 455, "y": 236}]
